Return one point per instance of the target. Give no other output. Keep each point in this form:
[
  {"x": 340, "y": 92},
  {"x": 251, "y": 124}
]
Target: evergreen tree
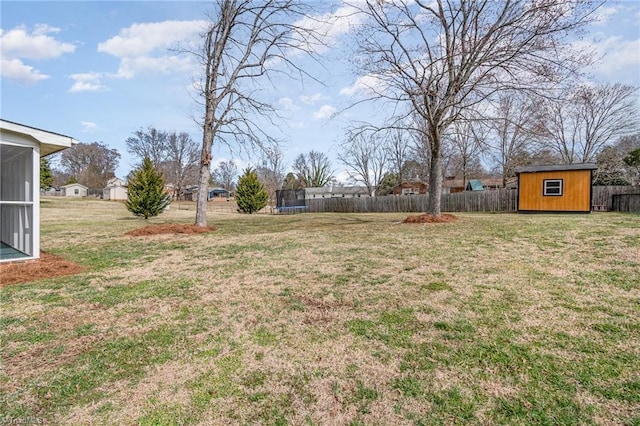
[
  {"x": 633, "y": 161},
  {"x": 146, "y": 191},
  {"x": 46, "y": 177},
  {"x": 250, "y": 193}
]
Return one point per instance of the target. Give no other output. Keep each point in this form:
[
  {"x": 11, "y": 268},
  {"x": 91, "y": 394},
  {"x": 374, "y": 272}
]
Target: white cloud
[
  {"x": 19, "y": 44},
  {"x": 366, "y": 84},
  {"x": 287, "y": 103},
  {"x": 144, "y": 47},
  {"x": 330, "y": 26},
  {"x": 325, "y": 111},
  {"x": 15, "y": 70},
  {"x": 130, "y": 67},
  {"x": 87, "y": 82},
  {"x": 142, "y": 39},
  {"x": 313, "y": 99},
  {"x": 89, "y": 126},
  {"x": 620, "y": 59},
  {"x": 603, "y": 15}
]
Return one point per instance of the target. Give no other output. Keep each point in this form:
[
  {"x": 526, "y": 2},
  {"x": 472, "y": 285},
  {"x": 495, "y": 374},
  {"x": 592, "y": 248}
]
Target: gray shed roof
[{"x": 557, "y": 167}]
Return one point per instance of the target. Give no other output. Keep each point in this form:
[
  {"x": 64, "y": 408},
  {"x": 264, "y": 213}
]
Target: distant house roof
[
  {"x": 115, "y": 182},
  {"x": 557, "y": 167},
  {"x": 218, "y": 191},
  {"x": 50, "y": 142},
  {"x": 73, "y": 185},
  {"x": 475, "y": 185},
  {"x": 487, "y": 182}
]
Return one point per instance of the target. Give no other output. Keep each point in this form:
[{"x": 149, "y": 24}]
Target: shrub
[
  {"x": 146, "y": 191},
  {"x": 250, "y": 193}
]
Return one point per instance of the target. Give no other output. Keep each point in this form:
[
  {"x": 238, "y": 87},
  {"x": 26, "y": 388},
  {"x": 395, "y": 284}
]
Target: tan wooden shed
[{"x": 555, "y": 188}]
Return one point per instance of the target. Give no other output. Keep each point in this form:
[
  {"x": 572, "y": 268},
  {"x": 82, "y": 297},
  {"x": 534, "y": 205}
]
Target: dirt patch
[
  {"x": 47, "y": 266},
  {"x": 169, "y": 228},
  {"x": 427, "y": 218}
]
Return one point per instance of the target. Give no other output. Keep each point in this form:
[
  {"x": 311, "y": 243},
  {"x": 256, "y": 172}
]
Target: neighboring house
[
  {"x": 218, "y": 193},
  {"x": 451, "y": 185},
  {"x": 116, "y": 190},
  {"x": 191, "y": 193},
  {"x": 21, "y": 147},
  {"x": 74, "y": 190},
  {"x": 555, "y": 188},
  {"x": 410, "y": 187},
  {"x": 336, "y": 192}
]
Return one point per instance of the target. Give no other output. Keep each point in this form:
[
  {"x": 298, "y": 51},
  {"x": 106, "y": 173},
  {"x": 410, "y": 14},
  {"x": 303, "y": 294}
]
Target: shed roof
[
  {"x": 557, "y": 167},
  {"x": 50, "y": 142},
  {"x": 476, "y": 185}
]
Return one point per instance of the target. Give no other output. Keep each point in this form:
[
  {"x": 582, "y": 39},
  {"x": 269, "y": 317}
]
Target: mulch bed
[
  {"x": 49, "y": 265},
  {"x": 427, "y": 218},
  {"x": 169, "y": 228}
]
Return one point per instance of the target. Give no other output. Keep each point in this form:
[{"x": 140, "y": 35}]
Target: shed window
[
  {"x": 552, "y": 187},
  {"x": 76, "y": 191}
]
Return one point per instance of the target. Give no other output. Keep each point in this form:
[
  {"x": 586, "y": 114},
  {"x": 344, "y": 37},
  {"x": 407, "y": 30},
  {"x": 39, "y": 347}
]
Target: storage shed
[
  {"x": 74, "y": 190},
  {"x": 116, "y": 190},
  {"x": 20, "y": 150},
  {"x": 555, "y": 188}
]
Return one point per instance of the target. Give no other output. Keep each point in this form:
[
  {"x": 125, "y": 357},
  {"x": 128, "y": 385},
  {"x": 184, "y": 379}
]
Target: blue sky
[{"x": 100, "y": 70}]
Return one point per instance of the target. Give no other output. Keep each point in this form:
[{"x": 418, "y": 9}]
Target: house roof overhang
[{"x": 50, "y": 142}]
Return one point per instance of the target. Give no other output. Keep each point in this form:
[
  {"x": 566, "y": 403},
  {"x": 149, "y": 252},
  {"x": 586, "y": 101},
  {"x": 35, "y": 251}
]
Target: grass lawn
[{"x": 327, "y": 319}]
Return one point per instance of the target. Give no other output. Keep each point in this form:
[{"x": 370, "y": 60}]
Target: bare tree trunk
[
  {"x": 435, "y": 173},
  {"x": 205, "y": 171},
  {"x": 435, "y": 185}
]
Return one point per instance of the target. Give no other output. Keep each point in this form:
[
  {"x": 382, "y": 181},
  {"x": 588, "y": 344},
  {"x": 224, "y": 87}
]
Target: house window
[
  {"x": 76, "y": 191},
  {"x": 552, "y": 187}
]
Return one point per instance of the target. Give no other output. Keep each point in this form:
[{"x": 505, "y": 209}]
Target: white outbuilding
[
  {"x": 74, "y": 190},
  {"x": 116, "y": 190},
  {"x": 20, "y": 150}
]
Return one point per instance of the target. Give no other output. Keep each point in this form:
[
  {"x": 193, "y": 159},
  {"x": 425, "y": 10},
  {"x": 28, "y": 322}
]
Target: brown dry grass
[
  {"x": 330, "y": 319},
  {"x": 427, "y": 218},
  {"x": 169, "y": 228}
]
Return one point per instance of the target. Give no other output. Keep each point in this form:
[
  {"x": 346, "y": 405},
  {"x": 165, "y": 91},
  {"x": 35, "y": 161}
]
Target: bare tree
[
  {"x": 180, "y": 164},
  {"x": 577, "y": 126},
  {"x": 225, "y": 175},
  {"x": 615, "y": 162},
  {"x": 313, "y": 169},
  {"x": 398, "y": 147},
  {"x": 246, "y": 41},
  {"x": 271, "y": 172},
  {"x": 366, "y": 159},
  {"x": 511, "y": 128},
  {"x": 150, "y": 143},
  {"x": 443, "y": 58},
  {"x": 467, "y": 140},
  {"x": 91, "y": 164}
]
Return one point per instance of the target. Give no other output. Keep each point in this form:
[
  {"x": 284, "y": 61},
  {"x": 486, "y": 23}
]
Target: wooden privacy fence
[
  {"x": 500, "y": 200},
  {"x": 627, "y": 203},
  {"x": 604, "y": 195}
]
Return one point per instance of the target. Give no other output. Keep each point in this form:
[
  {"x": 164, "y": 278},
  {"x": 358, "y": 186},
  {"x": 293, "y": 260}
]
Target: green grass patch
[{"x": 314, "y": 318}]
